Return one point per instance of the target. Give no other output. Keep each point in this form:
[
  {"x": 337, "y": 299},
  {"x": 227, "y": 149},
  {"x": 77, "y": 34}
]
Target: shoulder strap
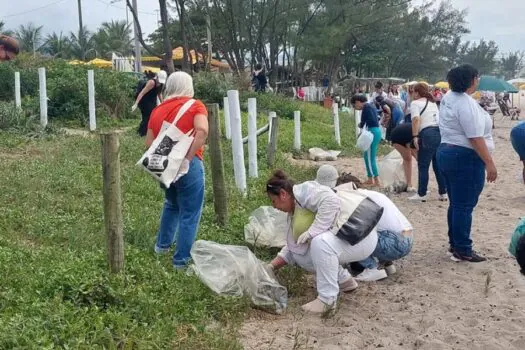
[
  {"x": 424, "y": 109},
  {"x": 183, "y": 110}
]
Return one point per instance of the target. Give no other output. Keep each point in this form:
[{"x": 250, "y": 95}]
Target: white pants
[{"x": 325, "y": 256}]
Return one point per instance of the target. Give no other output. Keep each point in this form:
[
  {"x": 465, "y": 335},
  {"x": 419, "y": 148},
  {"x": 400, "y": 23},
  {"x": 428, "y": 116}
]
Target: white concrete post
[
  {"x": 91, "y": 99},
  {"x": 227, "y": 124},
  {"x": 335, "y": 112},
  {"x": 43, "y": 96},
  {"x": 237, "y": 148},
  {"x": 253, "y": 170},
  {"x": 18, "y": 99},
  {"x": 297, "y": 133},
  {"x": 271, "y": 115},
  {"x": 357, "y": 117}
]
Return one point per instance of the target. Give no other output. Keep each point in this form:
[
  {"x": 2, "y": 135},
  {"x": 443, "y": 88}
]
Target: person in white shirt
[
  {"x": 318, "y": 249},
  {"x": 426, "y": 140},
  {"x": 463, "y": 156},
  {"x": 378, "y": 92},
  {"x": 394, "y": 231}
]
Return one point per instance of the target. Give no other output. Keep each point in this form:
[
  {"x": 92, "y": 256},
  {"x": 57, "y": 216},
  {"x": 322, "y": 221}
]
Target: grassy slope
[{"x": 55, "y": 286}]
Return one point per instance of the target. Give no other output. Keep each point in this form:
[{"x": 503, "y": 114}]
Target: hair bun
[{"x": 279, "y": 174}]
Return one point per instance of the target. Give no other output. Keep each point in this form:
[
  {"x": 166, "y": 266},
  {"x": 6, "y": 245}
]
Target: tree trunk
[{"x": 168, "y": 53}]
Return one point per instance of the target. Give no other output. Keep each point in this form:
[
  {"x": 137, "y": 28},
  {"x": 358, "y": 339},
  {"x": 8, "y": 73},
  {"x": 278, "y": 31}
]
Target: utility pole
[
  {"x": 80, "y": 29},
  {"x": 208, "y": 38},
  {"x": 138, "y": 57}
]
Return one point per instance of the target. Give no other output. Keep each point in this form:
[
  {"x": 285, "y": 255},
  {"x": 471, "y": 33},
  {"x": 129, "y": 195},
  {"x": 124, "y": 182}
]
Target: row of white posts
[
  {"x": 233, "y": 132},
  {"x": 43, "y": 96}
]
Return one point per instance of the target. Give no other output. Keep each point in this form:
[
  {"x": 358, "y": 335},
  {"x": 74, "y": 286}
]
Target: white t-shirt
[
  {"x": 392, "y": 220},
  {"x": 430, "y": 115},
  {"x": 461, "y": 119}
]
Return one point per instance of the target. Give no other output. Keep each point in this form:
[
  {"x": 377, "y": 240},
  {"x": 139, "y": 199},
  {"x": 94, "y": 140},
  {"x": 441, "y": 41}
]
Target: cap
[
  {"x": 327, "y": 175},
  {"x": 162, "y": 76}
]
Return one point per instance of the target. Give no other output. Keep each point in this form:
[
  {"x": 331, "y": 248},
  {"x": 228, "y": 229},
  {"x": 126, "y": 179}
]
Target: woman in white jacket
[{"x": 318, "y": 249}]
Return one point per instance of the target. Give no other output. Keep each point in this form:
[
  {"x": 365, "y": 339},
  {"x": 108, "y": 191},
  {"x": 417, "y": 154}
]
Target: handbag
[
  {"x": 164, "y": 157},
  {"x": 365, "y": 139}
]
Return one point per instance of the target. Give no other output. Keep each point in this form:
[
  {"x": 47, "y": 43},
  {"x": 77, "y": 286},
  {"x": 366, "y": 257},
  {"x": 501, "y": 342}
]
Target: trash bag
[
  {"x": 267, "y": 227},
  {"x": 391, "y": 172},
  {"x": 318, "y": 154},
  {"x": 236, "y": 271}
]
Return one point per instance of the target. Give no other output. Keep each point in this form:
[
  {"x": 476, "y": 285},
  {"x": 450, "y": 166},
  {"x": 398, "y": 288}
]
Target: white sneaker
[
  {"x": 411, "y": 189},
  {"x": 417, "y": 197},
  {"x": 390, "y": 269},
  {"x": 159, "y": 250},
  {"x": 443, "y": 197},
  {"x": 348, "y": 285},
  {"x": 318, "y": 307},
  {"x": 370, "y": 275}
]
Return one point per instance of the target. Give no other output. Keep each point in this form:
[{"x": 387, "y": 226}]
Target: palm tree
[
  {"x": 30, "y": 37},
  {"x": 5, "y": 31},
  {"x": 82, "y": 44},
  {"x": 57, "y": 45},
  {"x": 114, "y": 36}
]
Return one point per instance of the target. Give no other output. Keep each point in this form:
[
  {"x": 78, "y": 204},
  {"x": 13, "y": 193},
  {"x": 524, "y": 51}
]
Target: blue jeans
[
  {"x": 464, "y": 173},
  {"x": 517, "y": 137},
  {"x": 182, "y": 212},
  {"x": 390, "y": 246},
  {"x": 371, "y": 154},
  {"x": 429, "y": 140}
]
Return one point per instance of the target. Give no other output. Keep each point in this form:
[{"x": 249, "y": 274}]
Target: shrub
[
  {"x": 211, "y": 87},
  {"x": 14, "y": 119}
]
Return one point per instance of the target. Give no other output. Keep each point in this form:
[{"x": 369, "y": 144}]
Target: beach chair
[{"x": 507, "y": 111}]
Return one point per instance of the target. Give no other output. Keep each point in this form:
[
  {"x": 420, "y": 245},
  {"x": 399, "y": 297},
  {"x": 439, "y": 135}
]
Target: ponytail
[{"x": 422, "y": 91}]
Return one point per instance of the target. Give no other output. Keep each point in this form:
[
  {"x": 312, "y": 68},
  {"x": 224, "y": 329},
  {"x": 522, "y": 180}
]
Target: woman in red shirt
[{"x": 185, "y": 197}]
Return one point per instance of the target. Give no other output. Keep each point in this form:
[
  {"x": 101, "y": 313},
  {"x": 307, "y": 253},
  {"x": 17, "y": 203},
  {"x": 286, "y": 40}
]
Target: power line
[
  {"x": 32, "y": 10},
  {"x": 123, "y": 8}
]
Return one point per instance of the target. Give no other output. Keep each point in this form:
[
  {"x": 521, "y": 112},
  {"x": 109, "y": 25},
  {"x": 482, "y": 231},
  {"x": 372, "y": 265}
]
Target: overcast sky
[{"x": 501, "y": 21}]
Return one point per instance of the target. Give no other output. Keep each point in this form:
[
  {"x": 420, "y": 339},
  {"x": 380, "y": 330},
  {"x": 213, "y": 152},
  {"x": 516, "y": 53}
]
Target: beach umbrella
[
  {"x": 522, "y": 87},
  {"x": 441, "y": 85},
  {"x": 101, "y": 63},
  {"x": 490, "y": 83}
]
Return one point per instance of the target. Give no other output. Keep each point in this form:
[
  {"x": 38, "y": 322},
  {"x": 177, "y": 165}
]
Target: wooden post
[
  {"x": 272, "y": 146},
  {"x": 335, "y": 112},
  {"x": 91, "y": 100},
  {"x": 220, "y": 200},
  {"x": 271, "y": 115},
  {"x": 112, "y": 199},
  {"x": 253, "y": 170},
  {"x": 18, "y": 99},
  {"x": 237, "y": 148},
  {"x": 43, "y": 96},
  {"x": 297, "y": 130},
  {"x": 227, "y": 124}
]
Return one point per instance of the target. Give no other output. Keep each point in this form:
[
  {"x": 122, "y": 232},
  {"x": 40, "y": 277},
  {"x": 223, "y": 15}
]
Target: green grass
[{"x": 56, "y": 290}]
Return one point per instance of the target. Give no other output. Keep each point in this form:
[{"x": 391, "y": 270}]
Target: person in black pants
[{"x": 146, "y": 99}]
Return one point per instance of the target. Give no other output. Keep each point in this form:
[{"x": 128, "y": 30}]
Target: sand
[{"x": 432, "y": 302}]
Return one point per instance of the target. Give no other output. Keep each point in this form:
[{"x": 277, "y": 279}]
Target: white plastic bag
[
  {"x": 319, "y": 154},
  {"x": 267, "y": 227},
  {"x": 391, "y": 170},
  {"x": 236, "y": 271},
  {"x": 165, "y": 155},
  {"x": 365, "y": 139}
]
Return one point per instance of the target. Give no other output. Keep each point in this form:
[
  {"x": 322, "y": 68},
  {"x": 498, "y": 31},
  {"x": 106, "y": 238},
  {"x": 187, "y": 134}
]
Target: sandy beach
[{"x": 432, "y": 302}]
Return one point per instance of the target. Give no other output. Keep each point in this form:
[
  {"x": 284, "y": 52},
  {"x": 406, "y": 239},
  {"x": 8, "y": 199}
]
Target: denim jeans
[
  {"x": 429, "y": 140},
  {"x": 464, "y": 173},
  {"x": 390, "y": 246},
  {"x": 181, "y": 214}
]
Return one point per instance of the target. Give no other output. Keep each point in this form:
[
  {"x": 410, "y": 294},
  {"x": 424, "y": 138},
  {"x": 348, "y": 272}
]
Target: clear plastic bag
[
  {"x": 391, "y": 171},
  {"x": 236, "y": 271},
  {"x": 267, "y": 227}
]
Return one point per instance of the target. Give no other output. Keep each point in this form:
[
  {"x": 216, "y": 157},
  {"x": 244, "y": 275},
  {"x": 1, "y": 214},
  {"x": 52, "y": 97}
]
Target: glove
[
  {"x": 134, "y": 107},
  {"x": 183, "y": 170},
  {"x": 304, "y": 238}
]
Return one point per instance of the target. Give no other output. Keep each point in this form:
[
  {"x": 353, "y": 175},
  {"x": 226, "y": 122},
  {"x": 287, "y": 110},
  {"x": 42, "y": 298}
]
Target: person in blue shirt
[
  {"x": 517, "y": 137},
  {"x": 370, "y": 120}
]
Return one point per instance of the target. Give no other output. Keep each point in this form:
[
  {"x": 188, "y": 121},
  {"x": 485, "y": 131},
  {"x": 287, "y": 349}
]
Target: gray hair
[{"x": 179, "y": 84}]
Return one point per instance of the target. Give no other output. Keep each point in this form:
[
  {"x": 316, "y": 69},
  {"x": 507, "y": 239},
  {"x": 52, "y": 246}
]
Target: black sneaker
[
  {"x": 450, "y": 251},
  {"x": 474, "y": 257}
]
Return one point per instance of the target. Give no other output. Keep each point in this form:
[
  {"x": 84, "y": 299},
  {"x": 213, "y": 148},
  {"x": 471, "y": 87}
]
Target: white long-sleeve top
[{"x": 320, "y": 200}]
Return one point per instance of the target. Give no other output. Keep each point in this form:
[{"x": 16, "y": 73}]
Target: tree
[
  {"x": 82, "y": 44},
  {"x": 114, "y": 36},
  {"x": 30, "y": 37},
  {"x": 57, "y": 46},
  {"x": 481, "y": 55},
  {"x": 5, "y": 31},
  {"x": 512, "y": 64}
]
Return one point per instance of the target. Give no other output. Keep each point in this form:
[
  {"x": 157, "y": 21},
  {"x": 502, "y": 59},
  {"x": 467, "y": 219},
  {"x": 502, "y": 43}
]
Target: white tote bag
[
  {"x": 165, "y": 155},
  {"x": 365, "y": 139}
]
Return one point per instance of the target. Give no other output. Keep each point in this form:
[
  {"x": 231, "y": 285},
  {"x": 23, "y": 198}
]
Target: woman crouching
[{"x": 318, "y": 249}]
